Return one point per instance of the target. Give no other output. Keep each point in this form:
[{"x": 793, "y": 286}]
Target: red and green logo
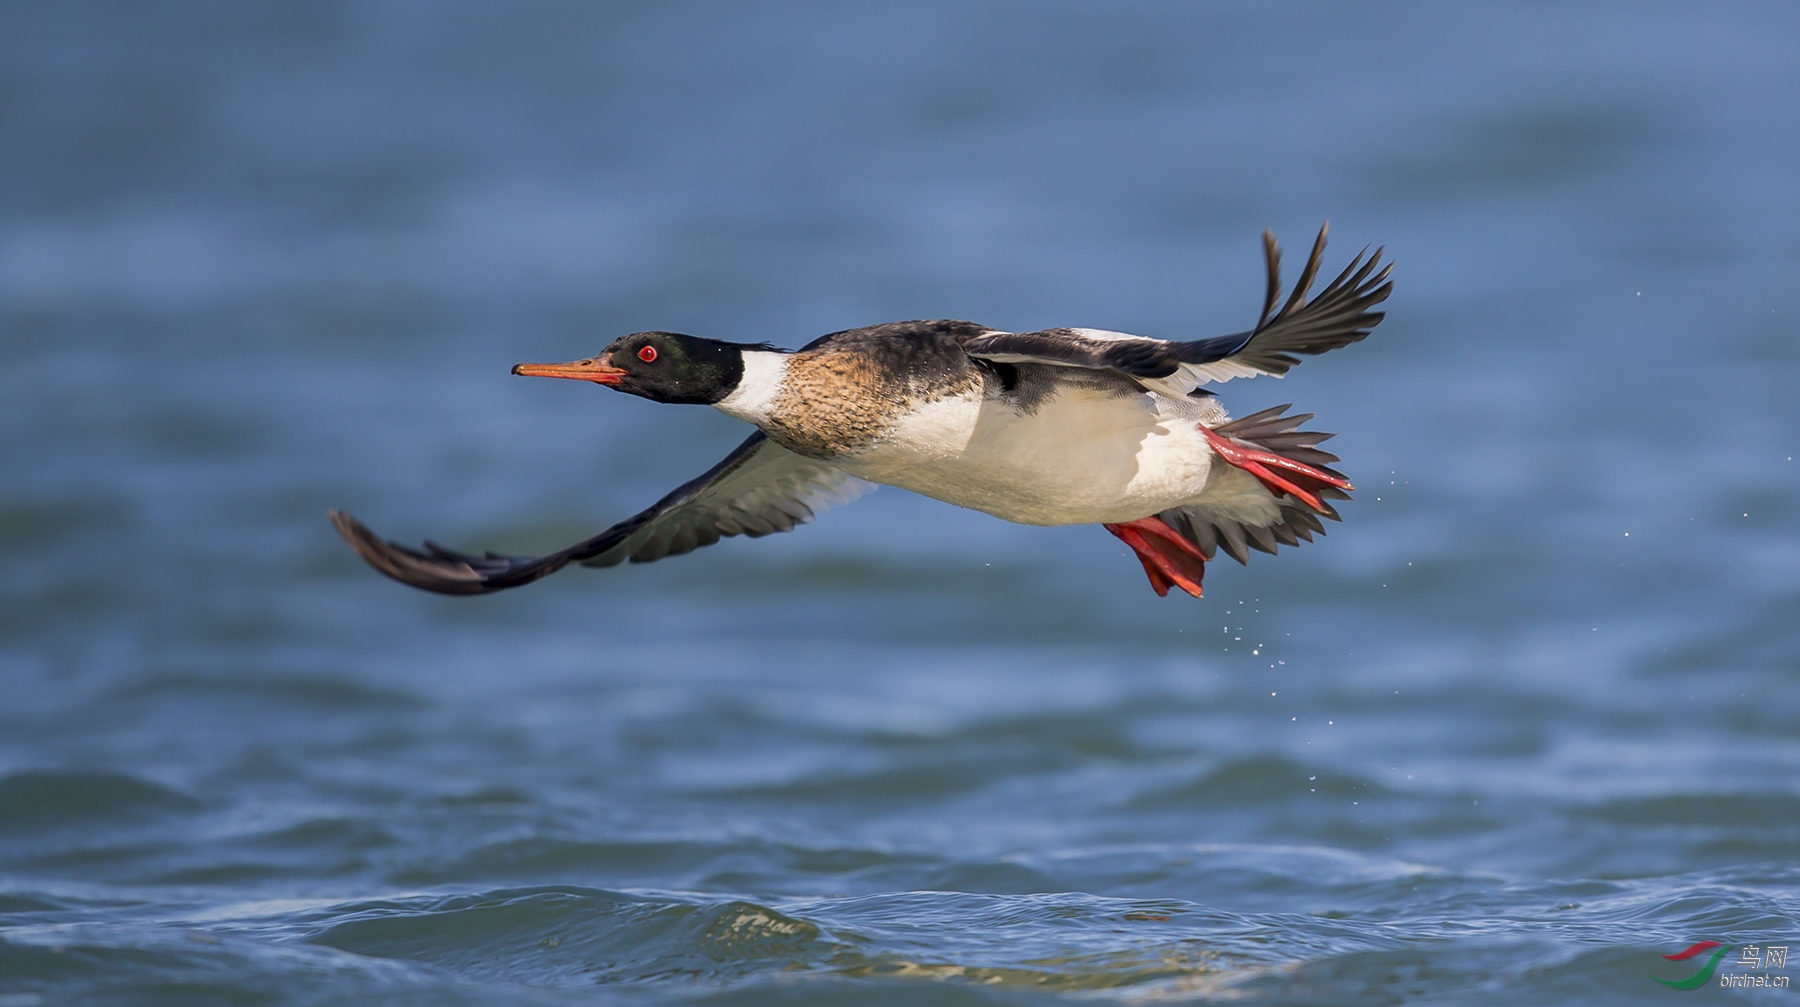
[{"x": 1702, "y": 977}]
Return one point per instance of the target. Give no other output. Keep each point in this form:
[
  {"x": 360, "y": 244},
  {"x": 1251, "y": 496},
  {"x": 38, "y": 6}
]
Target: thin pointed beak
[{"x": 594, "y": 369}]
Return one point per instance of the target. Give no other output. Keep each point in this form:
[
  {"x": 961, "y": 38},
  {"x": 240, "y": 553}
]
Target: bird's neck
[{"x": 754, "y": 397}]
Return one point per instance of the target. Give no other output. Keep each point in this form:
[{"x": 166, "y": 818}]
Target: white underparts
[
  {"x": 1081, "y": 456},
  {"x": 755, "y": 393}
]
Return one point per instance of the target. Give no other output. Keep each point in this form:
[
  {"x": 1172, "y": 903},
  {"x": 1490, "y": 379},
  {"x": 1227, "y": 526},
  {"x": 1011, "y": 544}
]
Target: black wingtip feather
[
  {"x": 440, "y": 570},
  {"x": 1341, "y": 314},
  {"x": 1310, "y": 273},
  {"x": 1272, "y": 260}
]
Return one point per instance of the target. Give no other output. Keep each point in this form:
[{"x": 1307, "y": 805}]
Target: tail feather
[{"x": 1297, "y": 517}]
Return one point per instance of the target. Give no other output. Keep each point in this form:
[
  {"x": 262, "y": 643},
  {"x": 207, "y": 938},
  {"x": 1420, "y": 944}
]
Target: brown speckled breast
[{"x": 844, "y": 391}]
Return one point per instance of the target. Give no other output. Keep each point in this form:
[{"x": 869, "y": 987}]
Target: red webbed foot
[
  {"x": 1277, "y": 474},
  {"x": 1169, "y": 559}
]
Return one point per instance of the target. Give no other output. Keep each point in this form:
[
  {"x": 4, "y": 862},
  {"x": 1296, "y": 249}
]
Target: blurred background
[{"x": 1523, "y": 723}]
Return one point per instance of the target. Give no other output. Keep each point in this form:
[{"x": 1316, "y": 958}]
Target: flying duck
[{"x": 1058, "y": 427}]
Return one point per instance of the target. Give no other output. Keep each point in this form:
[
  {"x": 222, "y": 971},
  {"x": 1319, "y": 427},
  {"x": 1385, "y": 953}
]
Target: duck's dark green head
[{"x": 662, "y": 366}]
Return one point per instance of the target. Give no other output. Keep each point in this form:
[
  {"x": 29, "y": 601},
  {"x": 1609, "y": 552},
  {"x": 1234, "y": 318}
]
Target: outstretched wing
[
  {"x": 758, "y": 489},
  {"x": 1339, "y": 316}
]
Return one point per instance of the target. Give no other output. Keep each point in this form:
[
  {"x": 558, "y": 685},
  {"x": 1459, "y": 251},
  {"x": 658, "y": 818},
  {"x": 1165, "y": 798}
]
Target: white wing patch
[
  {"x": 1188, "y": 377},
  {"x": 1092, "y": 335},
  {"x": 1105, "y": 335},
  {"x": 1184, "y": 380}
]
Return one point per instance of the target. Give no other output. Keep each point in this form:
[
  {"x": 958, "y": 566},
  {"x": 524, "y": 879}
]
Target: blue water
[{"x": 1526, "y": 721}]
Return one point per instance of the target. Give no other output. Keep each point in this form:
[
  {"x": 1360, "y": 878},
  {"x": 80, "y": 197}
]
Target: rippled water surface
[{"x": 1525, "y": 721}]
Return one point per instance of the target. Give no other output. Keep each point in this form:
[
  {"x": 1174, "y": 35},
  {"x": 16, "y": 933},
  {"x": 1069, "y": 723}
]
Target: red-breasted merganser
[{"x": 1062, "y": 426}]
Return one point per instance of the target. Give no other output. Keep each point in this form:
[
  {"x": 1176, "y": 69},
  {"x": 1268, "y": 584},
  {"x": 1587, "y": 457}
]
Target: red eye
[{"x": 647, "y": 354}]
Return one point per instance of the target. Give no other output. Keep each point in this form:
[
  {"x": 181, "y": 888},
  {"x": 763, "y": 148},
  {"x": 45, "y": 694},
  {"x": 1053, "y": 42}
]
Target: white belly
[{"x": 1083, "y": 457}]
